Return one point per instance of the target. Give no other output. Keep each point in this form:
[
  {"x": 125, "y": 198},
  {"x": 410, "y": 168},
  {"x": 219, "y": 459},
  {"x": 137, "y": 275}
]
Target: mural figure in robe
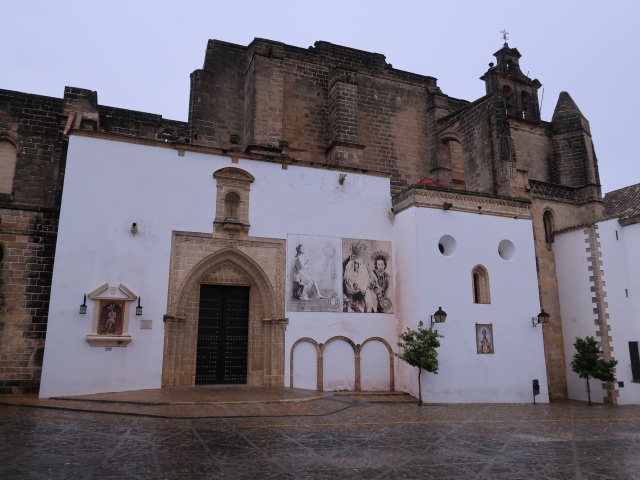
[
  {"x": 382, "y": 281},
  {"x": 359, "y": 283},
  {"x": 303, "y": 282}
]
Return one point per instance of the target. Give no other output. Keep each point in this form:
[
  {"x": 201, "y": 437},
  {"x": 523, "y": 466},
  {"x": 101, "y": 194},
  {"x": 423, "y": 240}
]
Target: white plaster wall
[
  {"x": 621, "y": 264},
  {"x": 339, "y": 372},
  {"x": 305, "y": 364},
  {"x": 428, "y": 280},
  {"x": 576, "y": 306},
  {"x": 408, "y": 291},
  {"x": 374, "y": 367},
  {"x": 109, "y": 185}
]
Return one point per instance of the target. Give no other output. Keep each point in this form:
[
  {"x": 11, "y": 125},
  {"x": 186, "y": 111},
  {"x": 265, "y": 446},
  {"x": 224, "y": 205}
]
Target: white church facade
[{"x": 477, "y": 263}]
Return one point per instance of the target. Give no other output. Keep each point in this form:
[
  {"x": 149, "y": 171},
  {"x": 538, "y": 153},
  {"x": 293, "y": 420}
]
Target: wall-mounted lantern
[
  {"x": 543, "y": 317},
  {"x": 134, "y": 229},
  {"x": 83, "y": 307},
  {"x": 439, "y": 317},
  {"x": 138, "y": 308}
]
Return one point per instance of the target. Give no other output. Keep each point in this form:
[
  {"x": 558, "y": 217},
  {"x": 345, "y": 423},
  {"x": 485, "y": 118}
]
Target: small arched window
[
  {"x": 507, "y": 92},
  {"x": 526, "y": 98},
  {"x": 547, "y": 223},
  {"x": 454, "y": 159},
  {"x": 8, "y": 157},
  {"x": 480, "y": 282}
]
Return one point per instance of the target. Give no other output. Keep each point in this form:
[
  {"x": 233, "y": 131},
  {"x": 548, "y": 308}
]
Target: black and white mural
[
  {"x": 314, "y": 277},
  {"x": 366, "y": 279},
  {"x": 328, "y": 274}
]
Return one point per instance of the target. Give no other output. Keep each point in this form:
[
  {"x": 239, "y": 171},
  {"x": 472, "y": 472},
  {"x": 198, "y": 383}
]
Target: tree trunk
[
  {"x": 419, "y": 388},
  {"x": 588, "y": 391}
]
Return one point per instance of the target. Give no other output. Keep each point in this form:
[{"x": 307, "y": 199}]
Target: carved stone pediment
[{"x": 224, "y": 274}]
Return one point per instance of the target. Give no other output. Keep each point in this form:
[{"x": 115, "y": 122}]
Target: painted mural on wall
[
  {"x": 110, "y": 320},
  {"x": 314, "y": 275},
  {"x": 484, "y": 337},
  {"x": 366, "y": 278},
  {"x": 328, "y": 274}
]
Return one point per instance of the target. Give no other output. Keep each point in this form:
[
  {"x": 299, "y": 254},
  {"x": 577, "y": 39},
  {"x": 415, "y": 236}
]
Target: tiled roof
[
  {"x": 430, "y": 183},
  {"x": 623, "y": 203}
]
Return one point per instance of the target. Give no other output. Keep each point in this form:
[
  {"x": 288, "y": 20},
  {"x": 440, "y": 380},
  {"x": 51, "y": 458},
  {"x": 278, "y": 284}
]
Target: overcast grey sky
[{"x": 139, "y": 54}]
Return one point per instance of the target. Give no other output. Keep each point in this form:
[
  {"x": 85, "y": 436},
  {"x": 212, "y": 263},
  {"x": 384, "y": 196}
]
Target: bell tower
[{"x": 519, "y": 92}]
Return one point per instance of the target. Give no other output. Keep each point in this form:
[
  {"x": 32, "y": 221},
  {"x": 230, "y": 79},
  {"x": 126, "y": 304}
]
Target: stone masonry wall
[
  {"x": 292, "y": 99},
  {"x": 28, "y": 225},
  {"x": 27, "y": 240},
  {"x": 39, "y": 126}
]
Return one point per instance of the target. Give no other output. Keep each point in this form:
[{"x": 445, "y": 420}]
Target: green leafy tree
[
  {"x": 419, "y": 350},
  {"x": 587, "y": 362}
]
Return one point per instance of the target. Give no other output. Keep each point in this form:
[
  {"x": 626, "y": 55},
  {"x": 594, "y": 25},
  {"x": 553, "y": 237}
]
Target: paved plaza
[{"x": 320, "y": 437}]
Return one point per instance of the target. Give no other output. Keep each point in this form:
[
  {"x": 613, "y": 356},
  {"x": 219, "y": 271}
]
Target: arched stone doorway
[{"x": 256, "y": 264}]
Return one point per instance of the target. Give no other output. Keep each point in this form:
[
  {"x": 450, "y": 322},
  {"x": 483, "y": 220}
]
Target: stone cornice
[
  {"x": 283, "y": 159},
  {"x": 624, "y": 221},
  {"x": 462, "y": 201},
  {"x": 560, "y": 193}
]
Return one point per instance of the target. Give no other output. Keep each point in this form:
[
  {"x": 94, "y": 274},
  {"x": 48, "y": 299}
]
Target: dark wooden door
[
  {"x": 635, "y": 361},
  {"x": 223, "y": 335}
]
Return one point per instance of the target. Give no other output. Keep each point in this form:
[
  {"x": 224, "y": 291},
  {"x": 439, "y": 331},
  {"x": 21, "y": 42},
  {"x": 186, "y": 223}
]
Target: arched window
[
  {"x": 507, "y": 92},
  {"x": 454, "y": 159},
  {"x": 480, "y": 282},
  {"x": 8, "y": 157},
  {"x": 526, "y": 98},
  {"x": 547, "y": 223}
]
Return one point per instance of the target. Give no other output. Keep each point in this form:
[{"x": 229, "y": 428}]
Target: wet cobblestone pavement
[{"x": 358, "y": 440}]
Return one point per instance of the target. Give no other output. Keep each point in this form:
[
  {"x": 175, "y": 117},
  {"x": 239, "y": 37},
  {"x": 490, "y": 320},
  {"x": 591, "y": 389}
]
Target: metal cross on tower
[{"x": 504, "y": 35}]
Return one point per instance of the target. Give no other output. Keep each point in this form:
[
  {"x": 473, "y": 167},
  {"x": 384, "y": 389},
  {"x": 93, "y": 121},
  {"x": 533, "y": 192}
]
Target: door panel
[{"x": 223, "y": 335}]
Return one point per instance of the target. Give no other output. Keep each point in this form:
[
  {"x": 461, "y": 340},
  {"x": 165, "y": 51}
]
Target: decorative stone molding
[
  {"x": 585, "y": 194},
  {"x": 600, "y": 305},
  {"x": 552, "y": 191},
  {"x": 232, "y": 201},
  {"x": 198, "y": 259},
  {"x": 461, "y": 201}
]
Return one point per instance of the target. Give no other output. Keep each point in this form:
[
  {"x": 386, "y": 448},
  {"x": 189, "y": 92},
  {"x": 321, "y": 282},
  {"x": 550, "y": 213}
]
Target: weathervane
[{"x": 504, "y": 35}]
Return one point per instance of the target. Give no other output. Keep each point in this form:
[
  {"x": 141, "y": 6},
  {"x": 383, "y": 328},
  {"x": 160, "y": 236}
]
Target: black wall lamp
[
  {"x": 543, "y": 317},
  {"x": 439, "y": 317},
  {"x": 83, "y": 307},
  {"x": 138, "y": 308}
]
